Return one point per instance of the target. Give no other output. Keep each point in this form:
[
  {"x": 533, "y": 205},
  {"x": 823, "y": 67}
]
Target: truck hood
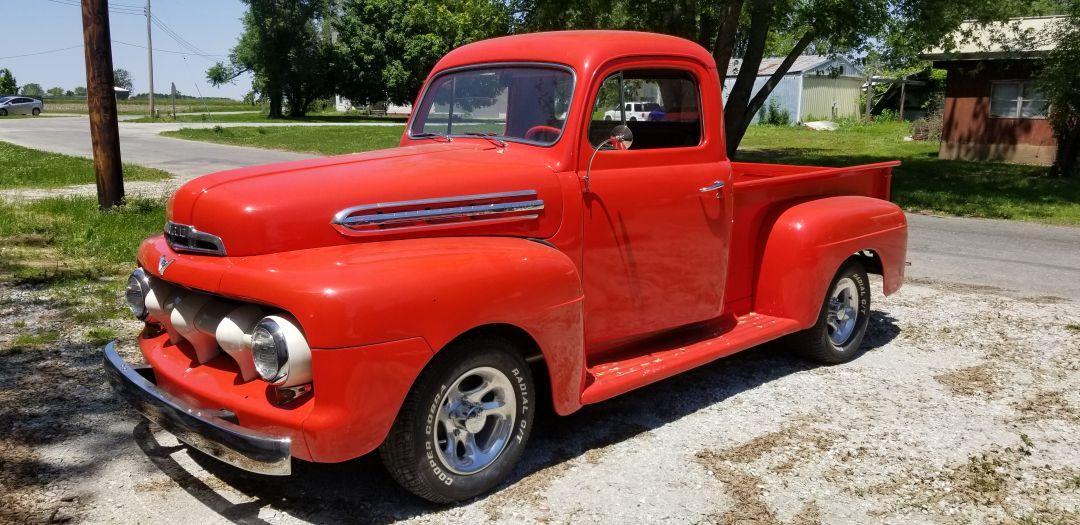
[{"x": 292, "y": 206}]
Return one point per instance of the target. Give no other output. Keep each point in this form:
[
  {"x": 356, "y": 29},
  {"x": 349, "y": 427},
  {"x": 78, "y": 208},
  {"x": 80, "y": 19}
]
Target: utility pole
[
  {"x": 150, "y": 57},
  {"x": 173, "y": 93},
  {"x": 101, "y": 100},
  {"x": 869, "y": 96}
]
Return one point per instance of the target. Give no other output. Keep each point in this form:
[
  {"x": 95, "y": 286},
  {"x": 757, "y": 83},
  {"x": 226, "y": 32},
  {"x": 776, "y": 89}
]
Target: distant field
[
  {"x": 327, "y": 140},
  {"x": 141, "y": 107},
  {"x": 261, "y": 117}
]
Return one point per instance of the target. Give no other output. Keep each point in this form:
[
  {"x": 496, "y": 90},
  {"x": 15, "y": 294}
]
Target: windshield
[
  {"x": 4, "y": 99},
  {"x": 522, "y": 104}
]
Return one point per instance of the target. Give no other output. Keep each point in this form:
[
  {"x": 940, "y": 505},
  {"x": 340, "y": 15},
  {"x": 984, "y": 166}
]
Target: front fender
[
  {"x": 435, "y": 289},
  {"x": 807, "y": 242}
]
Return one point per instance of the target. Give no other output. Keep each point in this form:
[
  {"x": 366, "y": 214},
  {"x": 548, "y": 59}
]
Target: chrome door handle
[{"x": 712, "y": 187}]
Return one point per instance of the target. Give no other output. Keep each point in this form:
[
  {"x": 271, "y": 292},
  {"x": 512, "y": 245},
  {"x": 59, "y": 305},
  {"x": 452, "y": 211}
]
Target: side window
[
  {"x": 669, "y": 97},
  {"x": 1017, "y": 99}
]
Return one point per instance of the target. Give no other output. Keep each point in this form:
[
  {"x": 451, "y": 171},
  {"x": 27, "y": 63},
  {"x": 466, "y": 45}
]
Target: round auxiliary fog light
[
  {"x": 280, "y": 352},
  {"x": 138, "y": 286}
]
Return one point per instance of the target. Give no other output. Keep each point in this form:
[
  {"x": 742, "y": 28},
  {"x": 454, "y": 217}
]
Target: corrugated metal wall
[
  {"x": 825, "y": 98},
  {"x": 785, "y": 94}
]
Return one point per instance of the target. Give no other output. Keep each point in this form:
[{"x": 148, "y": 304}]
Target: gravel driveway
[{"x": 965, "y": 408}]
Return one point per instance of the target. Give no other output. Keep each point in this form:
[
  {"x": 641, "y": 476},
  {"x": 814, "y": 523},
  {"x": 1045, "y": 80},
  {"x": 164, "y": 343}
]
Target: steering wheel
[{"x": 540, "y": 130}]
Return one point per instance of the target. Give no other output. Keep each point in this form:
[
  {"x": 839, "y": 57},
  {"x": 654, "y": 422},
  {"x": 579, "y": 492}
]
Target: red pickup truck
[{"x": 418, "y": 300}]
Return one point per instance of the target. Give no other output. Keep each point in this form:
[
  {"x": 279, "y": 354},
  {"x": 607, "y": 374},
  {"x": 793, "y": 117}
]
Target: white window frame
[{"x": 1022, "y": 86}]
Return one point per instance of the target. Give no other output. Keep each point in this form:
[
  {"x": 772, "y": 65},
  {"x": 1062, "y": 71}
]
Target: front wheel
[
  {"x": 3, "y": 112},
  {"x": 841, "y": 325},
  {"x": 465, "y": 423},
  {"x": 35, "y": 112}
]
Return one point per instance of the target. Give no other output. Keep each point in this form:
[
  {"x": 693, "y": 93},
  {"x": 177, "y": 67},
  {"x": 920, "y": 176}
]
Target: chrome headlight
[
  {"x": 280, "y": 352},
  {"x": 138, "y": 286}
]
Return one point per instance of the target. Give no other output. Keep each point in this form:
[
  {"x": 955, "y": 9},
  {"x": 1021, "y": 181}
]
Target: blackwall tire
[
  {"x": 448, "y": 411},
  {"x": 842, "y": 322},
  {"x": 3, "y": 112},
  {"x": 35, "y": 112}
]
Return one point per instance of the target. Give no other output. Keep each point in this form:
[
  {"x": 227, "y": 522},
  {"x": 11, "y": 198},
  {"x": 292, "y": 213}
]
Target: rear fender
[{"x": 806, "y": 244}]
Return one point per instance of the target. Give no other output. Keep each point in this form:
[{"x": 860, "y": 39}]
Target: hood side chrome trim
[{"x": 503, "y": 206}]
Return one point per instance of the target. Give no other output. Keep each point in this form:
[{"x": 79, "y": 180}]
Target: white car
[
  {"x": 634, "y": 111},
  {"x": 19, "y": 105}
]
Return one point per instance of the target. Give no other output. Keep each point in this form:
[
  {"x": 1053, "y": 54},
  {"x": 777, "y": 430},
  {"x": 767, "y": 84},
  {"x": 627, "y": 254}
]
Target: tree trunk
[
  {"x": 1067, "y": 160},
  {"x": 725, "y": 38},
  {"x": 276, "y": 100},
  {"x": 734, "y": 135},
  {"x": 735, "y": 110}
]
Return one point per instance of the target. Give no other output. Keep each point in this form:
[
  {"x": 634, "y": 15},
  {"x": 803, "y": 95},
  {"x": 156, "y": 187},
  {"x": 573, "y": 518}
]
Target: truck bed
[{"x": 762, "y": 188}]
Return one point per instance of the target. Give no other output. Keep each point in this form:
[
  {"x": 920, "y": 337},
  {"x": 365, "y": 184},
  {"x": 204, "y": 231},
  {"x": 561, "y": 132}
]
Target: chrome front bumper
[{"x": 199, "y": 428}]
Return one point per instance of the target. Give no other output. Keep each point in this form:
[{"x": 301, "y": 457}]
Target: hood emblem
[{"x": 162, "y": 264}]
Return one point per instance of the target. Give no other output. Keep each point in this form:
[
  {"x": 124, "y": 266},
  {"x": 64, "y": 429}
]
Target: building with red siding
[{"x": 993, "y": 109}]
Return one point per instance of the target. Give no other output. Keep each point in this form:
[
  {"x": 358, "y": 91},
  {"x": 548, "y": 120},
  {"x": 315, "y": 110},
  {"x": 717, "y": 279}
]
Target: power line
[
  {"x": 42, "y": 52},
  {"x": 171, "y": 51},
  {"x": 176, "y": 36},
  {"x": 122, "y": 9},
  {"x": 158, "y": 50}
]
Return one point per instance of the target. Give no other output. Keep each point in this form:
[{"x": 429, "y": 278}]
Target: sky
[{"x": 33, "y": 26}]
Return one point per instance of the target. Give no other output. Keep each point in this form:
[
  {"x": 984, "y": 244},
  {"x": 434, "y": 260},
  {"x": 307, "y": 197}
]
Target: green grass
[
  {"x": 924, "y": 182},
  {"x": 327, "y": 140},
  {"x": 33, "y": 341},
  {"x": 79, "y": 255},
  {"x": 73, "y": 226},
  {"x": 259, "y": 117},
  {"x": 30, "y": 168}
]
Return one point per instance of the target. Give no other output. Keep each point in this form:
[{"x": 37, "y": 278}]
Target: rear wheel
[
  {"x": 464, "y": 425},
  {"x": 841, "y": 325},
  {"x": 36, "y": 111}
]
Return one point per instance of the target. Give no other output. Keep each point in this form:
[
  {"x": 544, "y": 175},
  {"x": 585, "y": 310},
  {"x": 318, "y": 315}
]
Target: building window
[{"x": 1017, "y": 99}]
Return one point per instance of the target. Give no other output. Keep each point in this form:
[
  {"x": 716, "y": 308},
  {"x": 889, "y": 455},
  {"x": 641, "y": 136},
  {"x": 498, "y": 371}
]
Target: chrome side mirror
[{"x": 621, "y": 139}]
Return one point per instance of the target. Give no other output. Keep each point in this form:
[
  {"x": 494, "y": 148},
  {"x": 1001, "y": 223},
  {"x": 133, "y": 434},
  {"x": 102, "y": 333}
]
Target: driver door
[{"x": 655, "y": 236}]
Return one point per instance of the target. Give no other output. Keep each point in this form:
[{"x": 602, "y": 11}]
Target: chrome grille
[{"x": 185, "y": 238}]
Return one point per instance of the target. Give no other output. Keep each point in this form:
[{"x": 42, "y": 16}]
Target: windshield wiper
[
  {"x": 490, "y": 136},
  {"x": 430, "y": 135}
]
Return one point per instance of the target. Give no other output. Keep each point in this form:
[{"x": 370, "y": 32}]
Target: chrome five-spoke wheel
[
  {"x": 842, "y": 321},
  {"x": 466, "y": 421},
  {"x": 843, "y": 311},
  {"x": 475, "y": 419}
]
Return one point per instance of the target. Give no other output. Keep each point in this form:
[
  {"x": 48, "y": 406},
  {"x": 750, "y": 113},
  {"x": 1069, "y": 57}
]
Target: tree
[
  {"x": 122, "y": 79},
  {"x": 32, "y": 90},
  {"x": 80, "y": 91},
  {"x": 1059, "y": 80},
  {"x": 286, "y": 45},
  {"x": 8, "y": 86},
  {"x": 388, "y": 47},
  {"x": 752, "y": 30},
  {"x": 56, "y": 92},
  {"x": 69, "y": 93}
]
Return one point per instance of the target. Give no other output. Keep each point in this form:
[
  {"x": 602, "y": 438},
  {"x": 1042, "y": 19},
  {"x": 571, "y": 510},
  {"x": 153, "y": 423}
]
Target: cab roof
[{"x": 581, "y": 50}]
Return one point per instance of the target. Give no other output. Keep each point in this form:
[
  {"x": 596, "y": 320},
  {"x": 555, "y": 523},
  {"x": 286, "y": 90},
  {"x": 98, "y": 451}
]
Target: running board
[{"x": 624, "y": 373}]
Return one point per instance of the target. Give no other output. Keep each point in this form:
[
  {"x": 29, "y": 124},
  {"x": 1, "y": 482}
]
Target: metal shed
[{"x": 817, "y": 87}]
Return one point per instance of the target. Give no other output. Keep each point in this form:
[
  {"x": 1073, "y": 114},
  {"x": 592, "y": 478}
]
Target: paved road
[
  {"x": 141, "y": 144},
  {"x": 1028, "y": 259}
]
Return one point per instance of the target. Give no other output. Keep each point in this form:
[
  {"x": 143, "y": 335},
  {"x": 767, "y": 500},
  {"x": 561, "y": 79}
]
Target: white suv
[{"x": 634, "y": 111}]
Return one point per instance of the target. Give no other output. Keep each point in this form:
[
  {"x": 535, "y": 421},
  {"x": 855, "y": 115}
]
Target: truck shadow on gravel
[{"x": 362, "y": 491}]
